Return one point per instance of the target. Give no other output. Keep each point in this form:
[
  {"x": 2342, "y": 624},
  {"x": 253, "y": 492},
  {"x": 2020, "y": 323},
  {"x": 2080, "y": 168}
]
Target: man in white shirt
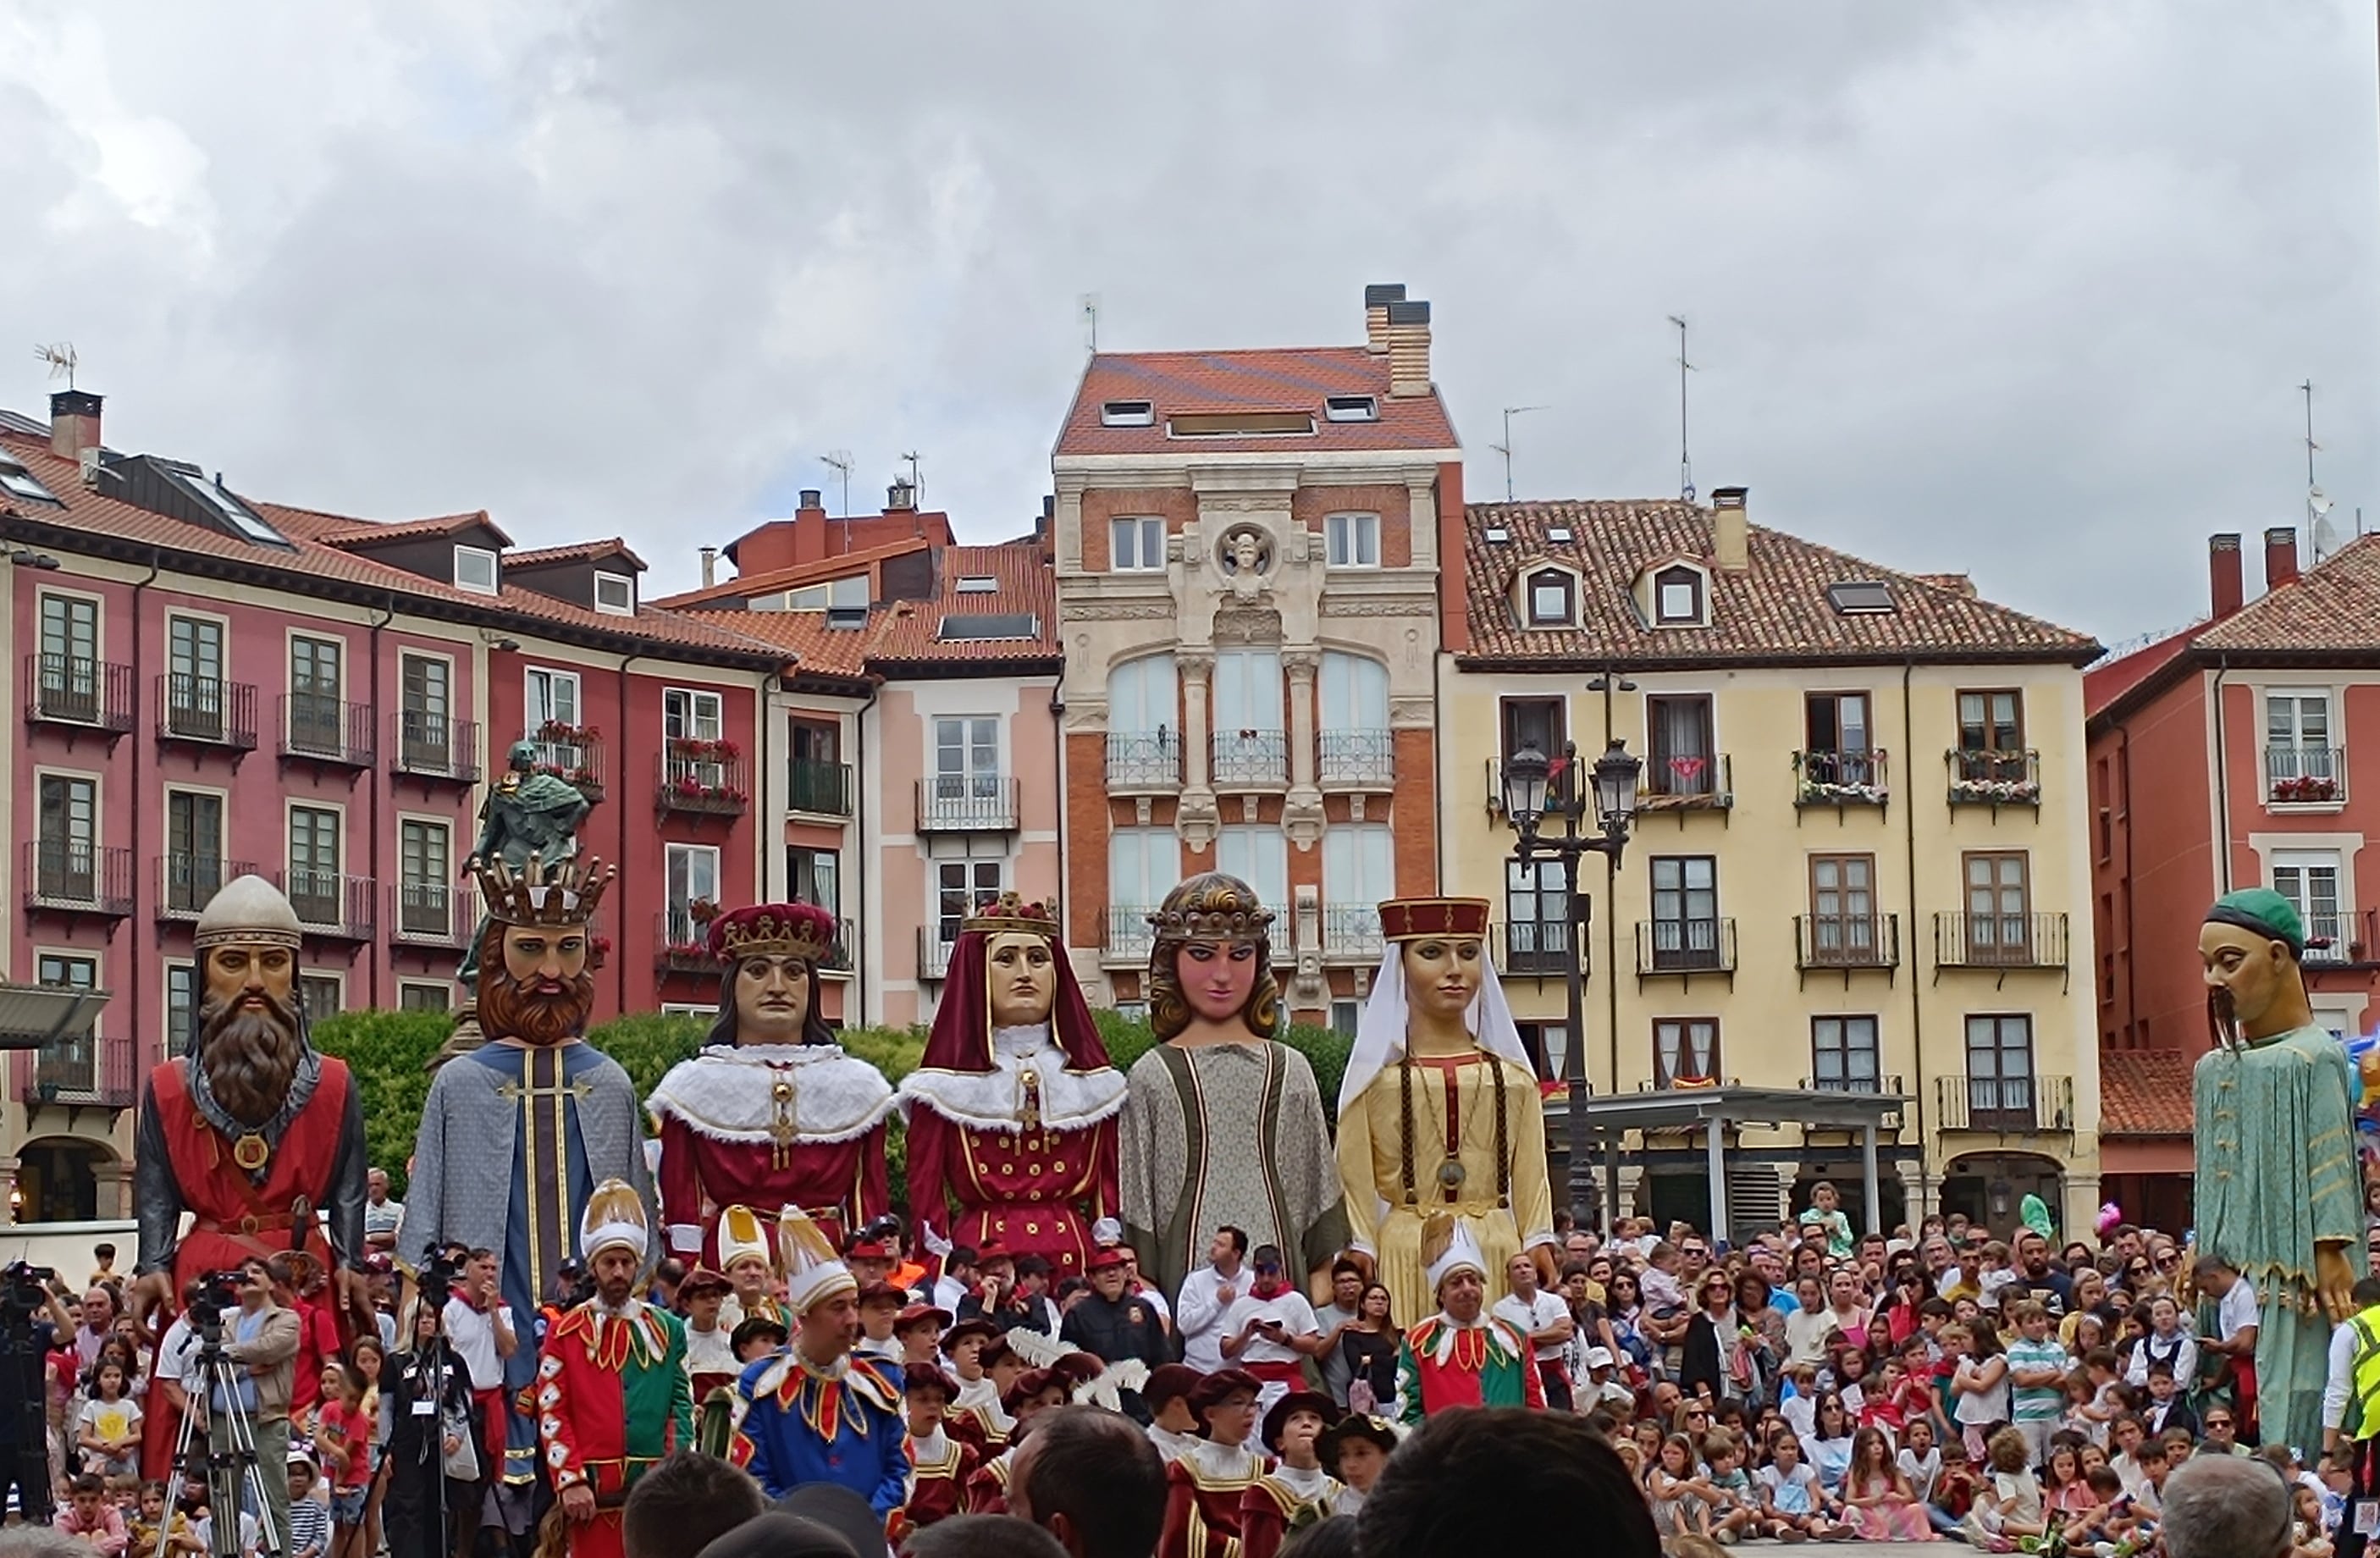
[
  {"x": 1545, "y": 1320},
  {"x": 2235, "y": 1326},
  {"x": 1271, "y": 1329},
  {"x": 1207, "y": 1294},
  {"x": 479, "y": 1329},
  {"x": 383, "y": 1218}
]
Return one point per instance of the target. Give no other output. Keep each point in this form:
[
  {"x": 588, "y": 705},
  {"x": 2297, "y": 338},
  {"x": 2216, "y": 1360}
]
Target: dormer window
[
  {"x": 475, "y": 569},
  {"x": 1552, "y": 599},
  {"x": 1678, "y": 597},
  {"x": 1128, "y": 413},
  {"x": 615, "y": 594},
  {"x": 1351, "y": 409}
]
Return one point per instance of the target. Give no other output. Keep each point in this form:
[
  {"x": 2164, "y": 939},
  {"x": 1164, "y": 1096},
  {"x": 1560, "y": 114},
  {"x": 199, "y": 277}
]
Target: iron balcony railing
[
  {"x": 87, "y": 1072},
  {"x": 70, "y": 689},
  {"x": 205, "y": 711},
  {"x": 1144, "y": 760},
  {"x": 2011, "y": 1105},
  {"x": 325, "y": 729},
  {"x": 1357, "y": 757},
  {"x": 933, "y": 953},
  {"x": 432, "y": 914},
  {"x": 682, "y": 941},
  {"x": 1129, "y": 934},
  {"x": 966, "y": 803},
  {"x": 822, "y": 789},
  {"x": 703, "y": 783},
  {"x": 1840, "y": 778},
  {"x": 1847, "y": 941},
  {"x": 187, "y": 882},
  {"x": 2304, "y": 775},
  {"x": 1981, "y": 777},
  {"x": 73, "y": 877},
  {"x": 1687, "y": 782},
  {"x": 1999, "y": 941},
  {"x": 577, "y": 760},
  {"x": 1246, "y": 758},
  {"x": 433, "y": 747},
  {"x": 332, "y": 905},
  {"x": 1541, "y": 947},
  {"x": 1849, "y": 1073},
  {"x": 1681, "y": 946},
  {"x": 1351, "y": 931}
]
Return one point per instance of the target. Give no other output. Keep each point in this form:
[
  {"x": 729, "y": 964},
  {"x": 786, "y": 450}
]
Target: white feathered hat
[
  {"x": 1447, "y": 1247},
  {"x": 813, "y": 1271},
  {"x": 615, "y": 1216},
  {"x": 741, "y": 1233}
]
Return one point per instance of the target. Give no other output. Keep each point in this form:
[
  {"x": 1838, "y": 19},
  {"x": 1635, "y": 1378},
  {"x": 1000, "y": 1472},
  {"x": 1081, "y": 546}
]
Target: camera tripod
[
  {"x": 233, "y": 1477},
  {"x": 21, "y": 1365}
]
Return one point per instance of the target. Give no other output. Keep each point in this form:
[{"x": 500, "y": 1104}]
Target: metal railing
[
  {"x": 682, "y": 943},
  {"x": 962, "y": 803},
  {"x": 206, "y": 712},
  {"x": 1685, "y": 946},
  {"x": 2304, "y": 775},
  {"x": 576, "y": 760},
  {"x": 1144, "y": 760},
  {"x": 77, "y": 878},
  {"x": 1840, "y": 778},
  {"x": 69, "y": 689},
  {"x": 1687, "y": 782},
  {"x": 331, "y": 904},
  {"x": 187, "y": 880},
  {"x": 1851, "y": 1083},
  {"x": 1351, "y": 931},
  {"x": 433, "y": 747},
  {"x": 709, "y": 784},
  {"x": 1357, "y": 757},
  {"x": 933, "y": 953},
  {"x": 822, "y": 789},
  {"x": 2011, "y": 1105},
  {"x": 1847, "y": 941},
  {"x": 89, "y": 1071},
  {"x": 1541, "y": 947},
  {"x": 1129, "y": 934},
  {"x": 1983, "y": 777},
  {"x": 326, "y": 729},
  {"x": 435, "y": 914},
  {"x": 1999, "y": 941},
  {"x": 1248, "y": 758}
]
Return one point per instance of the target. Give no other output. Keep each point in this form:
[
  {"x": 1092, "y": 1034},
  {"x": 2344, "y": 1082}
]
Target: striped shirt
[{"x": 2034, "y": 1404}]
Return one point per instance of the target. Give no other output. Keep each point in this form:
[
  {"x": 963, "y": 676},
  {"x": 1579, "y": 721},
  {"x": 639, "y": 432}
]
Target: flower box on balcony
[
  {"x": 1997, "y": 792},
  {"x": 1828, "y": 792},
  {"x": 2304, "y": 789},
  {"x": 691, "y": 750}
]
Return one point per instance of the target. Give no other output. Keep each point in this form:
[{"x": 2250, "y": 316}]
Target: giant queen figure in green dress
[{"x": 2279, "y": 1191}]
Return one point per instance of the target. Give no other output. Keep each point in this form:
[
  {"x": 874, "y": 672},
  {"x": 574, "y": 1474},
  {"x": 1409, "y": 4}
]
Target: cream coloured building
[{"x": 1860, "y": 863}]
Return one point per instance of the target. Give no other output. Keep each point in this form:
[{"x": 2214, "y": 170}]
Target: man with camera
[
  {"x": 31, "y": 1321},
  {"x": 260, "y": 1337}
]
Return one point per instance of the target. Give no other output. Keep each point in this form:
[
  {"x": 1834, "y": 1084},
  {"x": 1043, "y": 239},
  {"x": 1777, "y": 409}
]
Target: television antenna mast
[
  {"x": 60, "y": 356},
  {"x": 2322, "y": 537},
  {"x": 916, "y": 480},
  {"x": 1685, "y": 459},
  {"x": 841, "y": 462},
  {"x": 1090, "y": 308},
  {"x": 1505, "y": 448}
]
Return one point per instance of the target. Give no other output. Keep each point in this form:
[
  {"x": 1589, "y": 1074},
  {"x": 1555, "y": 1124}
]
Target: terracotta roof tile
[
  {"x": 575, "y": 552},
  {"x": 1775, "y": 609},
  {"x": 372, "y": 532},
  {"x": 905, "y": 637},
  {"x": 2332, "y": 605},
  {"x": 1291, "y": 379},
  {"x": 2144, "y": 1092},
  {"x": 842, "y": 565}
]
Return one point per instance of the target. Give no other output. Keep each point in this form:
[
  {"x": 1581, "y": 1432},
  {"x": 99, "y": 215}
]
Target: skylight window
[
  {"x": 475, "y": 569},
  {"x": 1558, "y": 532},
  {"x": 1227, "y": 424},
  {"x": 1352, "y": 409},
  {"x": 16, "y": 479},
  {"x": 243, "y": 519},
  {"x": 1498, "y": 535},
  {"x": 1861, "y": 597},
  {"x": 989, "y": 625},
  {"x": 1128, "y": 413},
  {"x": 979, "y": 584}
]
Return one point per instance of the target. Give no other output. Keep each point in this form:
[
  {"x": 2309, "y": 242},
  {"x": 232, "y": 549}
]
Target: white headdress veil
[{"x": 1380, "y": 1031}]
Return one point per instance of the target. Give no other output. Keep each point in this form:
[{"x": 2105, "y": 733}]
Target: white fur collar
[
  {"x": 727, "y": 1092},
  {"x": 1308, "y": 1484},
  {"x": 994, "y": 1100}
]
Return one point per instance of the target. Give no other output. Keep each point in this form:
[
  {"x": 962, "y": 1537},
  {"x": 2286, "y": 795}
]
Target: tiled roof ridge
[
  {"x": 797, "y": 574},
  {"x": 2353, "y": 568},
  {"x": 574, "y": 551}
]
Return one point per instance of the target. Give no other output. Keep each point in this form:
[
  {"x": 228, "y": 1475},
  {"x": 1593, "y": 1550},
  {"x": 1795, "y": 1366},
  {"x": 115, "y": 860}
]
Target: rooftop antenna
[
  {"x": 2320, "y": 535},
  {"x": 840, "y": 461},
  {"x": 916, "y": 480},
  {"x": 1686, "y": 460},
  {"x": 1505, "y": 448},
  {"x": 60, "y": 356},
  {"x": 1090, "y": 304}
]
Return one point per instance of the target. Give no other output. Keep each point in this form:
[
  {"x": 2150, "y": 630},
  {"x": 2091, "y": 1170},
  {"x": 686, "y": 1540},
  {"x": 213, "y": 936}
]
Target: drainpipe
[
  {"x": 763, "y": 779},
  {"x": 1058, "y": 771},
  {"x": 156, "y": 566},
  {"x": 2222, "y": 786},
  {"x": 371, "y": 975},
  {"x": 1916, "y": 986},
  {"x": 2131, "y": 965},
  {"x": 859, "y": 819},
  {"x": 620, "y": 859},
  {"x": 1611, "y": 1140}
]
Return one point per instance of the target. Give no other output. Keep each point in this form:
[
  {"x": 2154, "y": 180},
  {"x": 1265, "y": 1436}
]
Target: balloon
[{"x": 2109, "y": 1215}]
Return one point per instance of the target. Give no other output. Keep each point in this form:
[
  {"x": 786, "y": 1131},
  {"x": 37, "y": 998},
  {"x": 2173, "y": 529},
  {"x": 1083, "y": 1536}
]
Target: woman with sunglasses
[{"x": 1717, "y": 1361}]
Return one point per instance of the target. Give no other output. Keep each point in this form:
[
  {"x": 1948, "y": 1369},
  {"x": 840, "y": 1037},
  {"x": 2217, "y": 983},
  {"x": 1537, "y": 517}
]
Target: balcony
[
  {"x": 326, "y": 732},
  {"x": 1249, "y": 759},
  {"x": 841, "y": 957},
  {"x": 1144, "y": 762},
  {"x": 1686, "y": 947},
  {"x": 332, "y": 906},
  {"x": 187, "y": 882},
  {"x": 1350, "y": 933},
  {"x": 1358, "y": 760},
  {"x": 1688, "y": 782},
  {"x": 1981, "y": 777},
  {"x": 703, "y": 778},
  {"x": 64, "y": 877},
  {"x": 77, "y": 694},
  {"x": 966, "y": 803},
  {"x": 2315, "y": 777},
  {"x": 2000, "y": 942},
  {"x": 432, "y": 747},
  {"x": 1540, "y": 949},
  {"x": 433, "y": 916},
  {"x": 2009, "y": 1105},
  {"x": 1840, "y": 779},
  {"x": 682, "y": 940},
  {"x": 1846, "y": 942},
  {"x": 202, "y": 712},
  {"x": 820, "y": 789},
  {"x": 571, "y": 753},
  {"x": 933, "y": 953},
  {"x": 89, "y": 1072},
  {"x": 1129, "y": 935},
  {"x": 1870, "y": 1085}
]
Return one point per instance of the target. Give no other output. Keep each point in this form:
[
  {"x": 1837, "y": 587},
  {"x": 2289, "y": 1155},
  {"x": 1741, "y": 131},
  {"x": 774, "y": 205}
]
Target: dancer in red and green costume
[
  {"x": 1461, "y": 1356},
  {"x": 611, "y": 1389}
]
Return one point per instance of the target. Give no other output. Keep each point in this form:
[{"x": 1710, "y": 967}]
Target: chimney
[
  {"x": 74, "y": 422},
  {"x": 1408, "y": 342},
  {"x": 1376, "y": 298},
  {"x": 709, "y": 567},
  {"x": 2223, "y": 569},
  {"x": 1731, "y": 529},
  {"x": 900, "y": 497},
  {"x": 810, "y": 526},
  {"x": 2280, "y": 556}
]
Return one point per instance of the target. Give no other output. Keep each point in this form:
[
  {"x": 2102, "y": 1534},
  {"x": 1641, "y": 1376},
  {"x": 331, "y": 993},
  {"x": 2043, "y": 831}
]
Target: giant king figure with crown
[{"x": 516, "y": 1135}]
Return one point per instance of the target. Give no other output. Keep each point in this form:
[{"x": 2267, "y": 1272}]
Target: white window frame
[
  {"x": 178, "y": 1033},
  {"x": 627, "y": 604},
  {"x": 533, "y": 699},
  {"x": 1359, "y": 870},
  {"x": 1142, "y": 529},
  {"x": 976, "y": 890},
  {"x": 2294, "y": 874},
  {"x": 689, "y": 709},
  {"x": 1352, "y": 540},
  {"x": 970, "y": 778},
  {"x": 1354, "y": 689},
  {"x": 689, "y": 853},
  {"x": 466, "y": 580},
  {"x": 1144, "y": 696}
]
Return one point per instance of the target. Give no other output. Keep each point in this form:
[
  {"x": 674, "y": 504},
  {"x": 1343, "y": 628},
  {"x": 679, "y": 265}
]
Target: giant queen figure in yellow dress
[{"x": 1439, "y": 1109}]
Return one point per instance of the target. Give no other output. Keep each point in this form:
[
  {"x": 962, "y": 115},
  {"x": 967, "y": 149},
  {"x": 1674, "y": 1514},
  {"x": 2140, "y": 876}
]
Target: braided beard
[
  {"x": 249, "y": 1056},
  {"x": 509, "y": 1009}
]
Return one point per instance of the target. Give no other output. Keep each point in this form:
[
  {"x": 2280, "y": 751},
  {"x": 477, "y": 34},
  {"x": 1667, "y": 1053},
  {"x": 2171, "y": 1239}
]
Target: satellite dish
[
  {"x": 2318, "y": 503},
  {"x": 2326, "y": 537}
]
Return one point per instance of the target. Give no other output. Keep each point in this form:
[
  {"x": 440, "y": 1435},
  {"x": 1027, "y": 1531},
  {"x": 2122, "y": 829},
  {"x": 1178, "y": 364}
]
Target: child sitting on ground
[
  {"x": 1677, "y": 1510},
  {"x": 1727, "y": 1489},
  {"x": 1954, "y": 1491},
  {"x": 1793, "y": 1507},
  {"x": 2008, "y": 1506}
]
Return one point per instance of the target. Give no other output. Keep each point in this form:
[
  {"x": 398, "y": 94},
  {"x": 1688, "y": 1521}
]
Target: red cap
[
  {"x": 867, "y": 1250},
  {"x": 1111, "y": 1256},
  {"x": 1406, "y": 919},
  {"x": 803, "y": 930},
  {"x": 916, "y": 1312}
]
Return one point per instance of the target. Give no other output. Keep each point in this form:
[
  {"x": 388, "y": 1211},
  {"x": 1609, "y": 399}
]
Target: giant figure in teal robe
[{"x": 2278, "y": 1190}]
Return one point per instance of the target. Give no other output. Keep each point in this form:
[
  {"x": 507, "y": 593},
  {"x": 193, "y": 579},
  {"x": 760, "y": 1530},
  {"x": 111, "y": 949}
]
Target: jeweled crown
[
  {"x": 803, "y": 930},
  {"x": 1012, "y": 911},
  {"x": 564, "y": 893},
  {"x": 1212, "y": 907}
]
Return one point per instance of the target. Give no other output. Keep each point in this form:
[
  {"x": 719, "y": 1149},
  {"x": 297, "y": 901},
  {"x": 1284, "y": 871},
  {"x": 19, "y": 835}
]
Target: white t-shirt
[
  {"x": 1289, "y": 1306},
  {"x": 1921, "y": 1474},
  {"x": 2237, "y": 1310},
  {"x": 473, "y": 1337},
  {"x": 177, "y": 1350},
  {"x": 1538, "y": 1314},
  {"x": 1199, "y": 1316}
]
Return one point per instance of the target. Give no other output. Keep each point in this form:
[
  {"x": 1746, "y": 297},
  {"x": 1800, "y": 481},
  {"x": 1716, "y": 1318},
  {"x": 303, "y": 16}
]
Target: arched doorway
[
  {"x": 1990, "y": 1186},
  {"x": 57, "y": 1179}
]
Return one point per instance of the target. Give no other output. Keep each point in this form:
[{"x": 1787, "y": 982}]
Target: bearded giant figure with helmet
[
  {"x": 773, "y": 1112},
  {"x": 1012, "y": 1114}
]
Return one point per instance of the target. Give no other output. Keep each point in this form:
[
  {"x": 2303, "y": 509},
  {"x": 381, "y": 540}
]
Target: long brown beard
[
  {"x": 249, "y": 1056},
  {"x": 511, "y": 1010}
]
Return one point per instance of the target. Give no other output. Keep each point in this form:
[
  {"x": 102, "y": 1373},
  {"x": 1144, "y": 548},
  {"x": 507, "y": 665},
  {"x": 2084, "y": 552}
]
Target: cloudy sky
[{"x": 2024, "y": 288}]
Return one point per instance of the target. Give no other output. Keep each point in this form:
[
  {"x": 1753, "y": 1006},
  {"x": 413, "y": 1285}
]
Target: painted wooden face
[
  {"x": 1442, "y": 975},
  {"x": 236, "y": 970},
  {"x": 1217, "y": 977},
  {"x": 773, "y": 999},
  {"x": 1021, "y": 972},
  {"x": 2249, "y": 974}
]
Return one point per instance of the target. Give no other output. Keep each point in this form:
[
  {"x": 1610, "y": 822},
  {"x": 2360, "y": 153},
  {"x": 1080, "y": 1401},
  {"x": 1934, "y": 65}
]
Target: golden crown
[
  {"x": 1012, "y": 912},
  {"x": 1212, "y": 907},
  {"x": 803, "y": 930},
  {"x": 561, "y": 895}
]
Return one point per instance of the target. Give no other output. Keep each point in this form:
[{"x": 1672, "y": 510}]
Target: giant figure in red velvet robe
[
  {"x": 773, "y": 1112},
  {"x": 1012, "y": 1113}
]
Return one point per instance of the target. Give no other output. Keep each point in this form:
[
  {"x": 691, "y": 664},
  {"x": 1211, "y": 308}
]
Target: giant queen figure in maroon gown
[
  {"x": 1013, "y": 1112},
  {"x": 773, "y": 1112}
]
